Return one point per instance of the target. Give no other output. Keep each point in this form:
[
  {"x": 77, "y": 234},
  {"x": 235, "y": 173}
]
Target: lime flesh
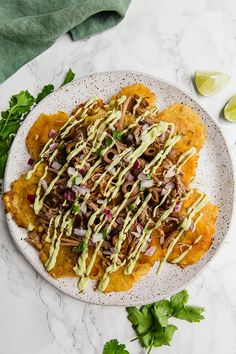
[
  {"x": 230, "y": 110},
  {"x": 210, "y": 82}
]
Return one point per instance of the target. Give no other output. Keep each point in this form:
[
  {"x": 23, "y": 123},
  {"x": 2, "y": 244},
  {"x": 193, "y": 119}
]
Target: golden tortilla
[{"x": 192, "y": 132}]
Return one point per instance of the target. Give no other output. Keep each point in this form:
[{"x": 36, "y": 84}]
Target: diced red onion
[
  {"x": 146, "y": 183},
  {"x": 136, "y": 165},
  {"x": 97, "y": 237},
  {"x": 108, "y": 214},
  {"x": 120, "y": 220},
  {"x": 136, "y": 234},
  {"x": 145, "y": 126},
  {"x": 44, "y": 184},
  {"x": 53, "y": 146},
  {"x": 107, "y": 252},
  {"x": 83, "y": 207},
  {"x": 178, "y": 206},
  {"x": 161, "y": 137},
  {"x": 142, "y": 177},
  {"x": 162, "y": 239},
  {"x": 56, "y": 165},
  {"x": 91, "y": 243},
  {"x": 82, "y": 171},
  {"x": 139, "y": 229},
  {"x": 150, "y": 251},
  {"x": 31, "y": 198},
  {"x": 83, "y": 190},
  {"x": 100, "y": 201},
  {"x": 114, "y": 157},
  {"x": 68, "y": 195},
  {"x": 80, "y": 232},
  {"x": 130, "y": 177},
  {"x": 71, "y": 171},
  {"x": 75, "y": 189},
  {"x": 129, "y": 137},
  {"x": 78, "y": 179},
  {"x": 170, "y": 173},
  {"x": 52, "y": 133},
  {"x": 30, "y": 161},
  {"x": 168, "y": 187},
  {"x": 168, "y": 130}
]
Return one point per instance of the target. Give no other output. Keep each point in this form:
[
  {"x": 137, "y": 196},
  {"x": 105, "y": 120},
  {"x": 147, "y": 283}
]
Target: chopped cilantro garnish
[
  {"x": 60, "y": 147},
  {"x": 142, "y": 189},
  {"x": 76, "y": 208},
  {"x": 131, "y": 207},
  {"x": 104, "y": 233},
  {"x": 149, "y": 176},
  {"x": 108, "y": 141},
  {"x": 151, "y": 322},
  {"x": 82, "y": 247},
  {"x": 117, "y": 135},
  {"x": 98, "y": 151}
]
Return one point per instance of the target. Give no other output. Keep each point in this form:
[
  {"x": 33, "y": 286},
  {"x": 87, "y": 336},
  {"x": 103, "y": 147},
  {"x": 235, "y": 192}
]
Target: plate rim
[{"x": 44, "y": 274}]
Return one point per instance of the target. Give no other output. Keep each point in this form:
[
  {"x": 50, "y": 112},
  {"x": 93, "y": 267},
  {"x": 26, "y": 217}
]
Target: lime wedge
[
  {"x": 230, "y": 110},
  {"x": 210, "y": 82}
]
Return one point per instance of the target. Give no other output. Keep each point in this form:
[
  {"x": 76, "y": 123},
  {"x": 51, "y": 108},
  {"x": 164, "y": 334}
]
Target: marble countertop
[{"x": 171, "y": 40}]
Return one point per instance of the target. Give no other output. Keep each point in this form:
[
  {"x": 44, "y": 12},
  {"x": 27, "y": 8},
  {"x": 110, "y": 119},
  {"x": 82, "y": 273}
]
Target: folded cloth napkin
[{"x": 28, "y": 27}]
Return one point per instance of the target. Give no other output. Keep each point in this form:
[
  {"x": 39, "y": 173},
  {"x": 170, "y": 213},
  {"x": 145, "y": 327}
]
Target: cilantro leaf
[
  {"x": 178, "y": 301},
  {"x": 81, "y": 247},
  {"x": 104, "y": 233},
  {"x": 161, "y": 312},
  {"x": 114, "y": 347},
  {"x": 131, "y": 207},
  {"x": 164, "y": 335},
  {"x": 69, "y": 77},
  {"x": 190, "y": 314},
  {"x": 19, "y": 106},
  {"x": 117, "y": 135},
  {"x": 108, "y": 141},
  {"x": 142, "y": 322},
  {"x": 46, "y": 90},
  {"x": 98, "y": 151}
]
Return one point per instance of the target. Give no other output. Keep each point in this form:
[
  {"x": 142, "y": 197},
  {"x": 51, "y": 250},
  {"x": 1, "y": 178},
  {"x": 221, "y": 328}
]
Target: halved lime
[
  {"x": 230, "y": 110},
  {"x": 210, "y": 82}
]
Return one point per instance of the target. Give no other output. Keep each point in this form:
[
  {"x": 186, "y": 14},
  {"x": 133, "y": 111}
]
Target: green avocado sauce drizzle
[{"x": 64, "y": 224}]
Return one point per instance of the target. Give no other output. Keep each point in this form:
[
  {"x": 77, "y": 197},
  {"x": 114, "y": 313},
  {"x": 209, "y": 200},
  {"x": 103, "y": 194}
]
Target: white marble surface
[{"x": 170, "y": 39}]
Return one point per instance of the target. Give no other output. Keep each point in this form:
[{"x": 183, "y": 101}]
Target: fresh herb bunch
[
  {"x": 114, "y": 347},
  {"x": 20, "y": 105},
  {"x": 151, "y": 322}
]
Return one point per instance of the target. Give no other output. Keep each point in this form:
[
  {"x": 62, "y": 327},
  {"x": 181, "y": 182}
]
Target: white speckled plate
[{"x": 215, "y": 176}]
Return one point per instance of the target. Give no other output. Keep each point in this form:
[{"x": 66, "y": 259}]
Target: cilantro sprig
[
  {"x": 114, "y": 347},
  {"x": 69, "y": 77},
  {"x": 10, "y": 121},
  {"x": 47, "y": 89},
  {"x": 20, "y": 105},
  {"x": 151, "y": 322}
]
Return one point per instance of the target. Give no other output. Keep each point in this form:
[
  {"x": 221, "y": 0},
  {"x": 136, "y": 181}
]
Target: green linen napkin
[{"x": 28, "y": 27}]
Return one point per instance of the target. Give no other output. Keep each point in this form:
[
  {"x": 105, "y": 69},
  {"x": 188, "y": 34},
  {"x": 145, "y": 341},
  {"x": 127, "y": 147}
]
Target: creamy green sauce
[
  {"x": 97, "y": 133},
  {"x": 199, "y": 204}
]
